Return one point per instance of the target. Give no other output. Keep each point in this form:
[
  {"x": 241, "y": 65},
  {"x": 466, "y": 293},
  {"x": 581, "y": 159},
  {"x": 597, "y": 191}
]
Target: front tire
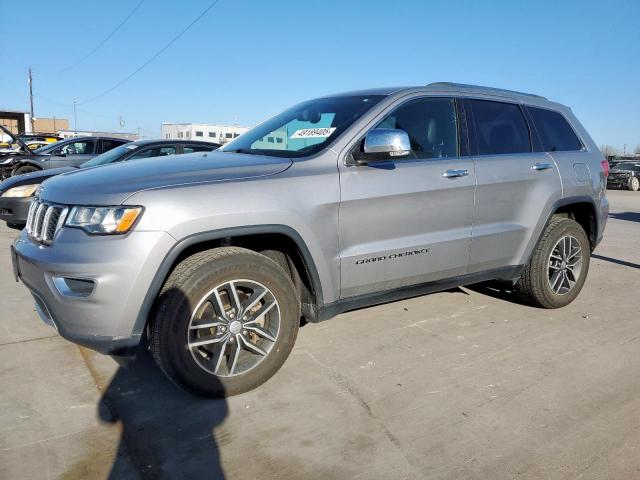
[
  {"x": 24, "y": 169},
  {"x": 634, "y": 184},
  {"x": 558, "y": 267},
  {"x": 225, "y": 322}
]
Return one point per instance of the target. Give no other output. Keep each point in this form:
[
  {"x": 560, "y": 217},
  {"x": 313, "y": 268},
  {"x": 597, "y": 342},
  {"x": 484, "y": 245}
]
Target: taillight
[{"x": 605, "y": 167}]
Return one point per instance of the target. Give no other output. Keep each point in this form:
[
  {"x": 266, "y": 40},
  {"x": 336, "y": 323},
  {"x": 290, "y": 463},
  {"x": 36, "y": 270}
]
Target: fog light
[{"x": 74, "y": 287}]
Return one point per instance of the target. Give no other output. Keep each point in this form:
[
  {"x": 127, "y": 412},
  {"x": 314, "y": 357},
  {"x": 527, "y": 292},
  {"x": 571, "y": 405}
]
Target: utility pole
[
  {"x": 31, "y": 101},
  {"x": 75, "y": 118}
]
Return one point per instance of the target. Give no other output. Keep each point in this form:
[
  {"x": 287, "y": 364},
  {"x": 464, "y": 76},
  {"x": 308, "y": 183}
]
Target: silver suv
[{"x": 337, "y": 203}]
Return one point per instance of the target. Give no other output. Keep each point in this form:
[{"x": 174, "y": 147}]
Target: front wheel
[
  {"x": 225, "y": 322},
  {"x": 558, "y": 267},
  {"x": 24, "y": 169},
  {"x": 634, "y": 184}
]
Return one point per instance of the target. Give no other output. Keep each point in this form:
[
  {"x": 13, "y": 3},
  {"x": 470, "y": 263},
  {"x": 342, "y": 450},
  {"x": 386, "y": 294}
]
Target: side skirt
[{"x": 325, "y": 312}]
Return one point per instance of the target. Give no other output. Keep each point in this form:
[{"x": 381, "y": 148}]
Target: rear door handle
[
  {"x": 541, "y": 166},
  {"x": 454, "y": 173}
]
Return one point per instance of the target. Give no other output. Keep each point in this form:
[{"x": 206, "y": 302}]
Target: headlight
[
  {"x": 103, "y": 220},
  {"x": 21, "y": 191}
]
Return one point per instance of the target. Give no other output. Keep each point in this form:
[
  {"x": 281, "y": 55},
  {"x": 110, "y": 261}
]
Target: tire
[
  {"x": 25, "y": 169},
  {"x": 199, "y": 287},
  {"x": 540, "y": 284},
  {"x": 634, "y": 184}
]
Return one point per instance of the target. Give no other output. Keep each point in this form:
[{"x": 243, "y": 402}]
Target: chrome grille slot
[{"x": 44, "y": 220}]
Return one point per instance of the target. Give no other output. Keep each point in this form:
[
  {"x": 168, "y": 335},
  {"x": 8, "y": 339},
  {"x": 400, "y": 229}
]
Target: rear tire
[
  {"x": 243, "y": 347},
  {"x": 558, "y": 267},
  {"x": 634, "y": 184}
]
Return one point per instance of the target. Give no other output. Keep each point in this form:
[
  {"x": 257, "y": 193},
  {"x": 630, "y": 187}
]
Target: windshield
[
  {"x": 304, "y": 129},
  {"x": 111, "y": 156},
  {"x": 628, "y": 166}
]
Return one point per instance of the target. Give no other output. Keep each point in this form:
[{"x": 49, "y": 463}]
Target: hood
[
  {"x": 113, "y": 184},
  {"x": 33, "y": 177},
  {"x": 21, "y": 144}
]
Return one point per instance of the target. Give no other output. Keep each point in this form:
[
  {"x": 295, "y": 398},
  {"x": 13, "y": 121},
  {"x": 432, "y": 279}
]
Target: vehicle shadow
[
  {"x": 499, "y": 290},
  {"x": 615, "y": 260},
  {"x": 166, "y": 431},
  {"x": 628, "y": 216}
]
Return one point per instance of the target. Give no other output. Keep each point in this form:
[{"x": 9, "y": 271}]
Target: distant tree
[
  {"x": 609, "y": 150},
  {"x": 637, "y": 150}
]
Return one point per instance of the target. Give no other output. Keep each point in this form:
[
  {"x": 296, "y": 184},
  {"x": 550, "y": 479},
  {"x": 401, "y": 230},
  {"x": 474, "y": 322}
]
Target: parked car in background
[
  {"x": 39, "y": 137},
  {"x": 67, "y": 153},
  {"x": 625, "y": 175},
  {"x": 16, "y": 192},
  {"x": 371, "y": 196}
]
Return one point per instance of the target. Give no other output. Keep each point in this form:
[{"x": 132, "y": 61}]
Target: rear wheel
[
  {"x": 558, "y": 267},
  {"x": 24, "y": 169},
  {"x": 225, "y": 322},
  {"x": 634, "y": 184}
]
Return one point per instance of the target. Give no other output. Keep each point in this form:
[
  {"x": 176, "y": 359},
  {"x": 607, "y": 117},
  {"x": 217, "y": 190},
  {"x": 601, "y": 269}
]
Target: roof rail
[{"x": 481, "y": 88}]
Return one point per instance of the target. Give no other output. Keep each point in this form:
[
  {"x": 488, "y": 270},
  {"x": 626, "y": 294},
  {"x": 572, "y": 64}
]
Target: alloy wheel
[
  {"x": 234, "y": 327},
  {"x": 565, "y": 265}
]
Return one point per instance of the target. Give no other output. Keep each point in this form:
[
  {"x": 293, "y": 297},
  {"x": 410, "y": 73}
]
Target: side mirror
[{"x": 382, "y": 144}]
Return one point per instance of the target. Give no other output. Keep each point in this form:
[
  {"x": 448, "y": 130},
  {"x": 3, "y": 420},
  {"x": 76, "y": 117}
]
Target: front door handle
[
  {"x": 541, "y": 166},
  {"x": 455, "y": 173}
]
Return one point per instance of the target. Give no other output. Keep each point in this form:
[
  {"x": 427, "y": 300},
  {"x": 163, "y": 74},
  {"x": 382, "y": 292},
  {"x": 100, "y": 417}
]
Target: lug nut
[
  {"x": 245, "y": 317},
  {"x": 222, "y": 329},
  {"x": 232, "y": 340},
  {"x": 245, "y": 332},
  {"x": 231, "y": 315}
]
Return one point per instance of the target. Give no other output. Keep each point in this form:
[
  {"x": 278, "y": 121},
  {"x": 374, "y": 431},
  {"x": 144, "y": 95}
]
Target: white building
[{"x": 201, "y": 131}]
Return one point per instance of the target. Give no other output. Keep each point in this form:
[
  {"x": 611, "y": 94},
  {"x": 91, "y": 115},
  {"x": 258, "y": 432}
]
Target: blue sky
[{"x": 247, "y": 60}]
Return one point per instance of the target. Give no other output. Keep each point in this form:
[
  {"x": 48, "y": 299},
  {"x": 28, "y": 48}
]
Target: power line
[
  {"x": 156, "y": 55},
  {"x": 106, "y": 38}
]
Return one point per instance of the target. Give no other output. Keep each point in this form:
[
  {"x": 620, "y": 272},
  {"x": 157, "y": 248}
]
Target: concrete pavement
[{"x": 459, "y": 384}]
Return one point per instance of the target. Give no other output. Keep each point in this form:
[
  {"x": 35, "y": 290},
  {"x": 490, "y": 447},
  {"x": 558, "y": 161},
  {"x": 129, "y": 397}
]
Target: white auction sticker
[{"x": 313, "y": 132}]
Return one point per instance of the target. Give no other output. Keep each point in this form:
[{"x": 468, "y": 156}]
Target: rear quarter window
[{"x": 555, "y": 132}]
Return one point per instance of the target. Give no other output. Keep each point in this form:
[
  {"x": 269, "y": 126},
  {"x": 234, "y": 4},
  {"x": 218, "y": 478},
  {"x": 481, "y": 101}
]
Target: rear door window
[
  {"x": 499, "y": 128},
  {"x": 555, "y": 132},
  {"x": 106, "y": 145}
]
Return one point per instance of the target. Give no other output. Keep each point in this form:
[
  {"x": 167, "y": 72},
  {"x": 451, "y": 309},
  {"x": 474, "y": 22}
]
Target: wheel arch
[
  {"x": 581, "y": 208},
  {"x": 257, "y": 238},
  {"x": 25, "y": 162}
]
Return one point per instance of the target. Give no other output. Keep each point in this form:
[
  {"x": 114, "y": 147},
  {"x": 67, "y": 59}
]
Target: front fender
[
  {"x": 23, "y": 162},
  {"x": 201, "y": 237}
]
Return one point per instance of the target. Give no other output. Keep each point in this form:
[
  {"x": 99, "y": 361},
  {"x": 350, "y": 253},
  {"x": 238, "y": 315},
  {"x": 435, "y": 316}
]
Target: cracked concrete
[{"x": 455, "y": 385}]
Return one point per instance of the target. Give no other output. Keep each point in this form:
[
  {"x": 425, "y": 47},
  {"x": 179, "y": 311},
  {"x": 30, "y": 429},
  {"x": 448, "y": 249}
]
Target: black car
[
  {"x": 625, "y": 175},
  {"x": 66, "y": 153},
  {"x": 16, "y": 192}
]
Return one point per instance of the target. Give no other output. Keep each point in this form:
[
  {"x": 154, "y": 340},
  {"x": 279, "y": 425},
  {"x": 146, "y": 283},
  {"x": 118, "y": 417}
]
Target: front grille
[{"x": 44, "y": 220}]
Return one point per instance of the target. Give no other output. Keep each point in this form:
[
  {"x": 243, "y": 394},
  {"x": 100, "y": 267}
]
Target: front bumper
[
  {"x": 14, "y": 210},
  {"x": 121, "y": 268}
]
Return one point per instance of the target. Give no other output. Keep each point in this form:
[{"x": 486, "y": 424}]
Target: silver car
[{"x": 337, "y": 203}]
